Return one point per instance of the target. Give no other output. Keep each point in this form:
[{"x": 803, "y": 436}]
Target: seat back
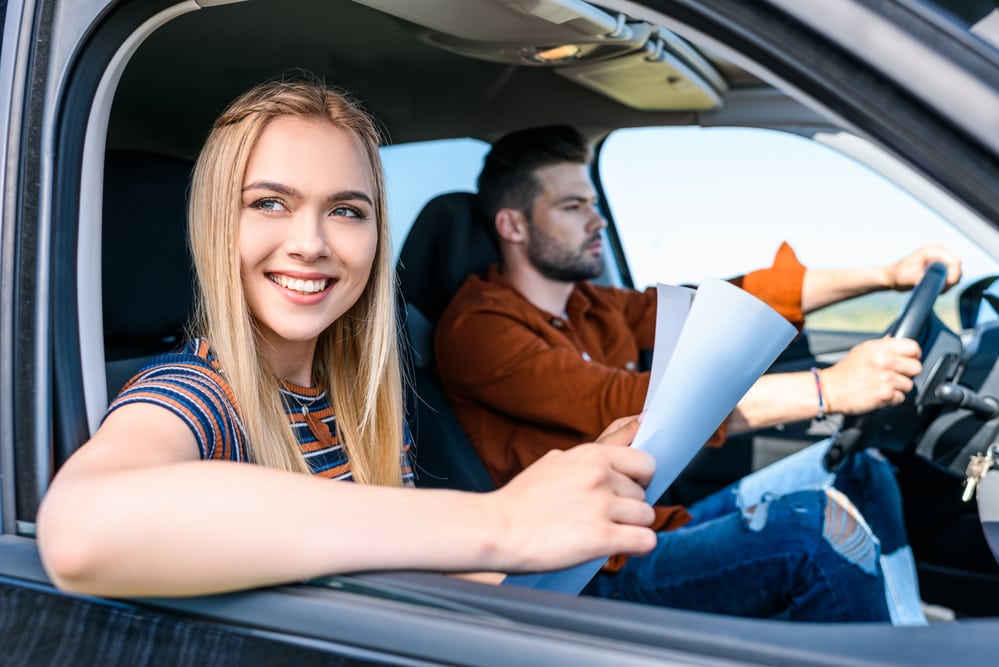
[
  {"x": 148, "y": 276},
  {"x": 447, "y": 243}
]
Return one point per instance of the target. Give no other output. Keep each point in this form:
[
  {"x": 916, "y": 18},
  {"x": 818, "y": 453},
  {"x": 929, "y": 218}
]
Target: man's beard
[{"x": 558, "y": 263}]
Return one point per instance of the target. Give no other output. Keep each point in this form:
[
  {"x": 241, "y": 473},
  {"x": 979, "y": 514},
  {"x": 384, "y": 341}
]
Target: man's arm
[
  {"x": 823, "y": 287},
  {"x": 874, "y": 374}
]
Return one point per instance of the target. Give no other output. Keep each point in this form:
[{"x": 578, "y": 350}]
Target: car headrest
[
  {"x": 148, "y": 276},
  {"x": 447, "y": 243}
]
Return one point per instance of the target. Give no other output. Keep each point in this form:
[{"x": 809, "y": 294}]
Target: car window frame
[
  {"x": 10, "y": 25},
  {"x": 677, "y": 634}
]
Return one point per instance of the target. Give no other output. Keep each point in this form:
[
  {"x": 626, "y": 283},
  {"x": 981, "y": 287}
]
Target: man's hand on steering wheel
[
  {"x": 907, "y": 272},
  {"x": 874, "y": 374},
  {"x": 917, "y": 311}
]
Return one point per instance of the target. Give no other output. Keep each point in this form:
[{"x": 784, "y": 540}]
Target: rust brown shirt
[{"x": 523, "y": 381}]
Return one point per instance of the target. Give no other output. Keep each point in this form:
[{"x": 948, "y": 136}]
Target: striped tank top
[{"x": 189, "y": 383}]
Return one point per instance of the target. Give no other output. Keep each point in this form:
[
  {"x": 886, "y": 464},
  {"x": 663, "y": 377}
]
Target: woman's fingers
[
  {"x": 620, "y": 431},
  {"x": 631, "y": 511},
  {"x": 579, "y": 504}
]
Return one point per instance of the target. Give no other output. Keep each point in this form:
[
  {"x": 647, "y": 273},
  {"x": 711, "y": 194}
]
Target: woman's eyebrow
[
  {"x": 347, "y": 195},
  {"x": 344, "y": 195},
  {"x": 274, "y": 187}
]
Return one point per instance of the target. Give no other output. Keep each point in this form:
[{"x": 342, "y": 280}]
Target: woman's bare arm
[{"x": 135, "y": 512}]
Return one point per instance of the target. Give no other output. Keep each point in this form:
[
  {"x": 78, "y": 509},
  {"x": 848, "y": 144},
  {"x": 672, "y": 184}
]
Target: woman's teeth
[{"x": 299, "y": 285}]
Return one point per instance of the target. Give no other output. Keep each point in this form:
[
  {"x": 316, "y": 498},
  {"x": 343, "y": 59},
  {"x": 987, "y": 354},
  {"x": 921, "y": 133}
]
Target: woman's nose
[{"x": 306, "y": 239}]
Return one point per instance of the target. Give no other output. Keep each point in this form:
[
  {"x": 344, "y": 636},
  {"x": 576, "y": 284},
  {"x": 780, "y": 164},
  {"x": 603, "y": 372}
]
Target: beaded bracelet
[{"x": 822, "y": 401}]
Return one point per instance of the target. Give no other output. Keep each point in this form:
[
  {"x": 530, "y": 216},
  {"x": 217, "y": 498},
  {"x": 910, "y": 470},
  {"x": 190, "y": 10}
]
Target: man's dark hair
[{"x": 507, "y": 178}]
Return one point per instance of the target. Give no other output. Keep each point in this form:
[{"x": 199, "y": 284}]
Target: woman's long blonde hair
[{"x": 357, "y": 358}]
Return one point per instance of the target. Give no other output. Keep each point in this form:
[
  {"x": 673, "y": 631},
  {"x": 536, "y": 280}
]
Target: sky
[{"x": 735, "y": 194}]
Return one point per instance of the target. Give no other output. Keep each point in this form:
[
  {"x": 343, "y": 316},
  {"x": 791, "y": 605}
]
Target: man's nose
[{"x": 597, "y": 220}]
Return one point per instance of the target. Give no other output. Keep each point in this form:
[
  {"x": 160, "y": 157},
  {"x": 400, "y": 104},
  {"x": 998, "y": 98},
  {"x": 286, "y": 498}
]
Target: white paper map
[{"x": 709, "y": 350}]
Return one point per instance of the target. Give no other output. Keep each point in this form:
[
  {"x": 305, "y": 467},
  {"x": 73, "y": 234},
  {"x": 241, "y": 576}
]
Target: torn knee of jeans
[
  {"x": 875, "y": 454},
  {"x": 755, "y": 516},
  {"x": 847, "y": 532}
]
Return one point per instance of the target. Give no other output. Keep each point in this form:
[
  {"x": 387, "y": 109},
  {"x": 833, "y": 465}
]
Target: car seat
[
  {"x": 447, "y": 243},
  {"x": 147, "y": 273}
]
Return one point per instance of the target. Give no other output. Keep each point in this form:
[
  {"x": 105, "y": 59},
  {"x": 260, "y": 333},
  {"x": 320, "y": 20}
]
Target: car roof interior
[{"x": 190, "y": 68}]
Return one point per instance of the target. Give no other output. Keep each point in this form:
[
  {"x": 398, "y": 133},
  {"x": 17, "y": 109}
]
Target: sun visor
[
  {"x": 519, "y": 32},
  {"x": 523, "y": 21},
  {"x": 635, "y": 63},
  {"x": 651, "y": 80}
]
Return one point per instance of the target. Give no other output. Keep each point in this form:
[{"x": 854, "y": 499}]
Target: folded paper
[{"x": 711, "y": 345}]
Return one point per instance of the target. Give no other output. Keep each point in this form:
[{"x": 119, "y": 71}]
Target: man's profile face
[{"x": 564, "y": 224}]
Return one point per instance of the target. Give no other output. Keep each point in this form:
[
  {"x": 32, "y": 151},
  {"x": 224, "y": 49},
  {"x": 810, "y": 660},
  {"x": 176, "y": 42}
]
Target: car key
[{"x": 978, "y": 466}]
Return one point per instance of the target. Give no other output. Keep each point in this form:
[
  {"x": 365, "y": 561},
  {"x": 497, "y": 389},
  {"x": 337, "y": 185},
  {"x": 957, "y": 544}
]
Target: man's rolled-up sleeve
[{"x": 779, "y": 285}]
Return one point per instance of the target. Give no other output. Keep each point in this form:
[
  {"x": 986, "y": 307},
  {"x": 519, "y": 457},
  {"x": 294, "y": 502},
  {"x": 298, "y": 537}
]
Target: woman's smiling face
[{"x": 307, "y": 231}]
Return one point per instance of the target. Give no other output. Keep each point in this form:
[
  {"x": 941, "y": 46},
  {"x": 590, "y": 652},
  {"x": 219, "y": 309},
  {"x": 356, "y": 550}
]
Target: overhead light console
[{"x": 637, "y": 64}]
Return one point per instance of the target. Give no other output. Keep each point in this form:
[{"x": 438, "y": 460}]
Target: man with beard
[{"x": 534, "y": 358}]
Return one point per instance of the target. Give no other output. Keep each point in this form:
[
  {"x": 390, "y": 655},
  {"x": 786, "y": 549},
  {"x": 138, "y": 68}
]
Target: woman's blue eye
[
  {"x": 268, "y": 205},
  {"x": 347, "y": 212}
]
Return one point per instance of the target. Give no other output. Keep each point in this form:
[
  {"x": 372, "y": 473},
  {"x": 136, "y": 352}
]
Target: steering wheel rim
[
  {"x": 911, "y": 320},
  {"x": 916, "y": 311}
]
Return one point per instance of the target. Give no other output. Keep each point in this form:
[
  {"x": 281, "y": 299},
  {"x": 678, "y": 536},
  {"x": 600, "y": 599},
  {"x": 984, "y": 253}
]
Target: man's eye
[{"x": 271, "y": 205}]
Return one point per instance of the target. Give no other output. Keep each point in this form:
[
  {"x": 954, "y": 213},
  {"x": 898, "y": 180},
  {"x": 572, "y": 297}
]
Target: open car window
[
  {"x": 692, "y": 203},
  {"x": 416, "y": 172}
]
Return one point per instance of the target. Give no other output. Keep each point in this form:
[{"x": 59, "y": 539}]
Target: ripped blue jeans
[{"x": 789, "y": 541}]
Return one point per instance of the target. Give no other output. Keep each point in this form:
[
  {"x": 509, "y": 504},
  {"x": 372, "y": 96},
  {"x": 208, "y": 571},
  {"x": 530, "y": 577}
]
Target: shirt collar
[{"x": 579, "y": 301}]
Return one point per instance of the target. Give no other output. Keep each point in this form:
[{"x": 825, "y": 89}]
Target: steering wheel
[
  {"x": 912, "y": 319},
  {"x": 916, "y": 311}
]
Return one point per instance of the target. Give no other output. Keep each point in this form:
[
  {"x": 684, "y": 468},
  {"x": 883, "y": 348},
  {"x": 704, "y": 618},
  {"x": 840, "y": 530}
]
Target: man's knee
[
  {"x": 847, "y": 533},
  {"x": 831, "y": 555},
  {"x": 809, "y": 519}
]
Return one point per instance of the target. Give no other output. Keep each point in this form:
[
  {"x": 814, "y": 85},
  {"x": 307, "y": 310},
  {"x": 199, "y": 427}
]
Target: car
[{"x": 108, "y": 102}]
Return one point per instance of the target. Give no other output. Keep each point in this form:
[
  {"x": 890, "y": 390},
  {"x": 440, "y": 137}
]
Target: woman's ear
[{"x": 511, "y": 225}]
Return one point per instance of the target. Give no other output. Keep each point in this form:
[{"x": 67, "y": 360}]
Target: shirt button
[
  {"x": 557, "y": 323},
  {"x": 630, "y": 366}
]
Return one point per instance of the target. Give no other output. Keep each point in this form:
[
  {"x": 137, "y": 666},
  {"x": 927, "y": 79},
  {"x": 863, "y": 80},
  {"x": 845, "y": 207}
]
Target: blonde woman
[{"x": 294, "y": 367}]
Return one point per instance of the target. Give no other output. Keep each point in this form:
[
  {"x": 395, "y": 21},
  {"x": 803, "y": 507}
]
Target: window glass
[
  {"x": 416, "y": 172},
  {"x": 692, "y": 203}
]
